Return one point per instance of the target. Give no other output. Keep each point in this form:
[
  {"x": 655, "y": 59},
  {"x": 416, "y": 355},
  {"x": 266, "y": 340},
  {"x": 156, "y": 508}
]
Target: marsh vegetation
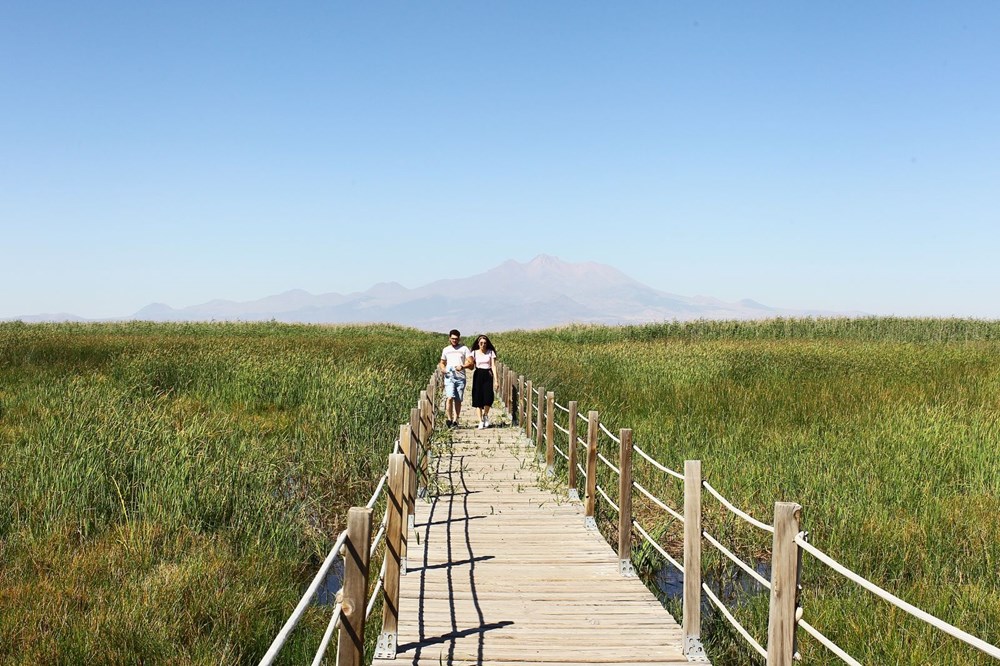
[{"x": 167, "y": 490}]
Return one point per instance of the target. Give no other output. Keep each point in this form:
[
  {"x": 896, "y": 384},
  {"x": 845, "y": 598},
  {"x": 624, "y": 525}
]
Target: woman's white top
[{"x": 484, "y": 360}]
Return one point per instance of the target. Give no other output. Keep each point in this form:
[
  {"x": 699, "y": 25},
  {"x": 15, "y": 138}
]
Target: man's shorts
[{"x": 454, "y": 387}]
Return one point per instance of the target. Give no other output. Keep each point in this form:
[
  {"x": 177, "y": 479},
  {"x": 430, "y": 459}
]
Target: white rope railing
[
  {"x": 729, "y": 505},
  {"x": 565, "y": 410},
  {"x": 375, "y": 592},
  {"x": 600, "y": 491},
  {"x": 561, "y": 429},
  {"x": 609, "y": 464},
  {"x": 656, "y": 500},
  {"x": 378, "y": 491},
  {"x": 938, "y": 623},
  {"x": 732, "y": 620},
  {"x": 556, "y": 447},
  {"x": 656, "y": 464},
  {"x": 828, "y": 644},
  {"x": 379, "y": 536},
  {"x": 293, "y": 619},
  {"x": 608, "y": 433},
  {"x": 737, "y": 561},
  {"x": 659, "y": 549},
  {"x": 328, "y": 634}
]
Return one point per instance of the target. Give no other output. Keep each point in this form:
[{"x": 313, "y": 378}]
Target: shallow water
[
  {"x": 731, "y": 585},
  {"x": 326, "y": 595}
]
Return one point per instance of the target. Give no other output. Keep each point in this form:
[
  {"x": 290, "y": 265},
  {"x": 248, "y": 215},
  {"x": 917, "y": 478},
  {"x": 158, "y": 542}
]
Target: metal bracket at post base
[
  {"x": 385, "y": 648},
  {"x": 694, "y": 650},
  {"x": 590, "y": 523},
  {"x": 402, "y": 566},
  {"x": 574, "y": 494},
  {"x": 626, "y": 569},
  {"x": 410, "y": 521},
  {"x": 550, "y": 471}
]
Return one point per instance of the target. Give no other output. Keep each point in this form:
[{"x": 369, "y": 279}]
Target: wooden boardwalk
[{"x": 502, "y": 570}]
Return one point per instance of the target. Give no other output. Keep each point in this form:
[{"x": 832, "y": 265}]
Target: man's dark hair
[{"x": 454, "y": 332}]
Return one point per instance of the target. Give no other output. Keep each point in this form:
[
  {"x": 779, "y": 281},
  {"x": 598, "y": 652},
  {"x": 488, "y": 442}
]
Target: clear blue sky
[{"x": 843, "y": 156}]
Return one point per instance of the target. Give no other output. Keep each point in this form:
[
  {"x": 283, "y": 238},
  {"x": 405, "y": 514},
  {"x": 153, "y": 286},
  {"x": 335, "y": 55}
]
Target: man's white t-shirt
[{"x": 454, "y": 357}]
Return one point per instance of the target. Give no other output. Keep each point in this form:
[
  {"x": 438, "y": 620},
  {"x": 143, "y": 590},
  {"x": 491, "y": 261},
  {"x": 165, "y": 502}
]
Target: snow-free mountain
[{"x": 540, "y": 293}]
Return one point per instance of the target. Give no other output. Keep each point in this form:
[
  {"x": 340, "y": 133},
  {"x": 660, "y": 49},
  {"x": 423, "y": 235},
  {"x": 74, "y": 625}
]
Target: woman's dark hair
[{"x": 489, "y": 345}]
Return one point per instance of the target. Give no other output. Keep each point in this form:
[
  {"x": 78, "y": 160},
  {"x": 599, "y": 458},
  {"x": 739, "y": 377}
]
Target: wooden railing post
[
  {"x": 527, "y": 408},
  {"x": 539, "y": 418},
  {"x": 573, "y": 493},
  {"x": 504, "y": 386},
  {"x": 625, "y": 567},
  {"x": 394, "y": 536},
  {"x": 591, "y": 497},
  {"x": 351, "y": 643},
  {"x": 419, "y": 454},
  {"x": 520, "y": 400},
  {"x": 692, "y": 559},
  {"x": 785, "y": 568},
  {"x": 509, "y": 393},
  {"x": 425, "y": 417},
  {"x": 550, "y": 442},
  {"x": 409, "y": 485}
]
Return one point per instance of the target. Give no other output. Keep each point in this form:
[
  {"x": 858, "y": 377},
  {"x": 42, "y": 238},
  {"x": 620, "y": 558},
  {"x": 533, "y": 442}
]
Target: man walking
[{"x": 452, "y": 364}]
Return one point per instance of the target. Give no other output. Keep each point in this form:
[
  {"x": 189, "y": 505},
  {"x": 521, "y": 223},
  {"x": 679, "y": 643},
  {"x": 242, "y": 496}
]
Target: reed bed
[
  {"x": 166, "y": 490},
  {"x": 886, "y": 431}
]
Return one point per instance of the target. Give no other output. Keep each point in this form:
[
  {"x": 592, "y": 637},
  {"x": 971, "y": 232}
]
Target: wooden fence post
[
  {"x": 504, "y": 386},
  {"x": 550, "y": 442},
  {"x": 590, "y": 499},
  {"x": 785, "y": 568},
  {"x": 692, "y": 559},
  {"x": 625, "y": 567},
  {"x": 351, "y": 641},
  {"x": 409, "y": 484},
  {"x": 539, "y": 418},
  {"x": 509, "y": 393},
  {"x": 425, "y": 417},
  {"x": 419, "y": 454},
  {"x": 527, "y": 408},
  {"x": 394, "y": 539},
  {"x": 573, "y": 492},
  {"x": 520, "y": 400}
]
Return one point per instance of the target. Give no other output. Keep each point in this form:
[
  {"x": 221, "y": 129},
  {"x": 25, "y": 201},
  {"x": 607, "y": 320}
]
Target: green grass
[
  {"x": 166, "y": 491},
  {"x": 886, "y": 431}
]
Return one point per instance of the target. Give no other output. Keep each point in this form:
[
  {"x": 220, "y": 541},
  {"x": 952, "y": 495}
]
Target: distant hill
[{"x": 543, "y": 292}]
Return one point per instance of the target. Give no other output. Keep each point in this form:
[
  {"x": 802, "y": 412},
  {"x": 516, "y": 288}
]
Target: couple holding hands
[{"x": 455, "y": 359}]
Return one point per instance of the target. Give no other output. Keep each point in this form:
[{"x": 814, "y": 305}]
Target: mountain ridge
[{"x": 540, "y": 293}]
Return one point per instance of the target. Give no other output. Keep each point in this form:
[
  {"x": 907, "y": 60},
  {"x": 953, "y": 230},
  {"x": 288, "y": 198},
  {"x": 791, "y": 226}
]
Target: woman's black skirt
[{"x": 482, "y": 388}]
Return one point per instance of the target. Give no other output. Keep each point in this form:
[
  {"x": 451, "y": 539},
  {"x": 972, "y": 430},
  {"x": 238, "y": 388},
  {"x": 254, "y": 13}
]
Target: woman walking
[{"x": 484, "y": 356}]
